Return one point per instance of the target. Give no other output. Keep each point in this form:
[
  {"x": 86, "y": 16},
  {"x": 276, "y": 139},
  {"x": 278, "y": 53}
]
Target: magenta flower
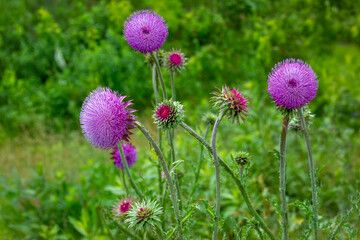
[
  {"x": 129, "y": 152},
  {"x": 106, "y": 119},
  {"x": 174, "y": 60},
  {"x": 145, "y": 31},
  {"x": 292, "y": 84},
  {"x": 122, "y": 206},
  {"x": 231, "y": 101},
  {"x": 168, "y": 114}
]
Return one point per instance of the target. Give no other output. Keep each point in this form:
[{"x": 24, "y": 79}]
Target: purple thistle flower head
[
  {"x": 292, "y": 84},
  {"x": 129, "y": 152},
  {"x": 145, "y": 31},
  {"x": 231, "y": 101},
  {"x": 174, "y": 60},
  {"x": 122, "y": 206},
  {"x": 106, "y": 119}
]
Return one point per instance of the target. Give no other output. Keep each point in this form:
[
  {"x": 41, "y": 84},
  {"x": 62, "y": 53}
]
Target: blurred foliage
[{"x": 53, "y": 53}]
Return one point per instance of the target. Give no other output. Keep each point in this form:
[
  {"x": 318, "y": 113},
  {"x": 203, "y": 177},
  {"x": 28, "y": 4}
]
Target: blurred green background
[{"x": 53, "y": 53}]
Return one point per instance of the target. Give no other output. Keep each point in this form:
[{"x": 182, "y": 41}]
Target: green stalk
[
  {"x": 217, "y": 173},
  {"x": 173, "y": 159},
  {"x": 312, "y": 172},
  {"x": 237, "y": 181},
  {"x": 166, "y": 171},
  {"x": 197, "y": 173},
  {"x": 172, "y": 85},
  {"x": 284, "y": 212},
  {"x": 160, "y": 75},
  {"x": 127, "y": 232},
  {"x": 124, "y": 181},
  {"x": 127, "y": 170}
]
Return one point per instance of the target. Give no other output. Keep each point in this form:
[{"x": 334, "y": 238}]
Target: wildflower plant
[
  {"x": 145, "y": 31},
  {"x": 106, "y": 119},
  {"x": 143, "y": 214},
  {"x": 232, "y": 102}
]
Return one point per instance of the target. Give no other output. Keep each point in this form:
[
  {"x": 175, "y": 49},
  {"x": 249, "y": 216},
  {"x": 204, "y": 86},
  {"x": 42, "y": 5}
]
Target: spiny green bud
[{"x": 242, "y": 158}]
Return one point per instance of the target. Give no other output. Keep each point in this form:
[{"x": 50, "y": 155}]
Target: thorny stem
[
  {"x": 237, "y": 181},
  {"x": 217, "y": 172},
  {"x": 127, "y": 170},
  {"x": 166, "y": 171},
  {"x": 160, "y": 75},
  {"x": 284, "y": 212},
  {"x": 124, "y": 182},
  {"x": 155, "y": 84},
  {"x": 312, "y": 172}
]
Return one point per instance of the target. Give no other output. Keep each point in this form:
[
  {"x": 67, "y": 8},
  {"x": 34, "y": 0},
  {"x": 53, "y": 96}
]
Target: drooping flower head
[
  {"x": 292, "y": 84},
  {"x": 129, "y": 152},
  {"x": 106, "y": 118},
  {"x": 143, "y": 214},
  {"x": 174, "y": 60},
  {"x": 145, "y": 31},
  {"x": 242, "y": 158},
  {"x": 231, "y": 101},
  {"x": 168, "y": 114},
  {"x": 122, "y": 206}
]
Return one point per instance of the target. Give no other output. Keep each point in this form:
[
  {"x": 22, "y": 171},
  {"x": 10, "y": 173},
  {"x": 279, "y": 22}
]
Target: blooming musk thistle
[
  {"x": 145, "y": 31},
  {"x": 174, "y": 60},
  {"x": 129, "y": 152},
  {"x": 143, "y": 214},
  {"x": 122, "y": 206},
  {"x": 292, "y": 84},
  {"x": 106, "y": 119},
  {"x": 231, "y": 101},
  {"x": 168, "y": 114}
]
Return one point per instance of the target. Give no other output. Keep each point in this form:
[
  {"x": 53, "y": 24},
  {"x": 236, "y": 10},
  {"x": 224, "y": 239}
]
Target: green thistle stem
[
  {"x": 172, "y": 85},
  {"x": 284, "y": 212},
  {"x": 173, "y": 159},
  {"x": 237, "y": 181},
  {"x": 166, "y": 171},
  {"x": 217, "y": 173},
  {"x": 127, "y": 170},
  {"x": 127, "y": 232},
  {"x": 312, "y": 172},
  {"x": 160, "y": 75},
  {"x": 124, "y": 181},
  {"x": 197, "y": 174}
]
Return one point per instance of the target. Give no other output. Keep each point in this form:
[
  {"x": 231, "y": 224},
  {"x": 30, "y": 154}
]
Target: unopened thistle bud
[
  {"x": 242, "y": 158},
  {"x": 174, "y": 60},
  {"x": 295, "y": 123},
  {"x": 168, "y": 114},
  {"x": 231, "y": 101},
  {"x": 209, "y": 118},
  {"x": 143, "y": 214}
]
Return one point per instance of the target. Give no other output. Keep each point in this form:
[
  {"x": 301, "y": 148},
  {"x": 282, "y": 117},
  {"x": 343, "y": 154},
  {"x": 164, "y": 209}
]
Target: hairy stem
[
  {"x": 284, "y": 212},
  {"x": 237, "y": 181},
  {"x": 312, "y": 172},
  {"x": 127, "y": 170},
  {"x": 166, "y": 171},
  {"x": 217, "y": 173}
]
